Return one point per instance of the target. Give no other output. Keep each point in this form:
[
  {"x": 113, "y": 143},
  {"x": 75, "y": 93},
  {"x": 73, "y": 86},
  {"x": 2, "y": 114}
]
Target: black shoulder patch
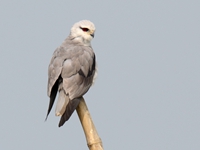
[
  {"x": 93, "y": 67},
  {"x": 80, "y": 72}
]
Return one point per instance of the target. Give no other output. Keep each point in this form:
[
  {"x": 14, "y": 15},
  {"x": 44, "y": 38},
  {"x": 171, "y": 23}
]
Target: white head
[{"x": 83, "y": 31}]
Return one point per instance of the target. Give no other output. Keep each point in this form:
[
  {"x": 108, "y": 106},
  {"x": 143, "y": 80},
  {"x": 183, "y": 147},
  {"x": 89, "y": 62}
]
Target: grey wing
[
  {"x": 75, "y": 68},
  {"x": 78, "y": 71},
  {"x": 55, "y": 67},
  {"x": 54, "y": 71},
  {"x": 77, "y": 74}
]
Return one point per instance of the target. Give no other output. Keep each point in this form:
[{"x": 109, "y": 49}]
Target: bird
[{"x": 72, "y": 70}]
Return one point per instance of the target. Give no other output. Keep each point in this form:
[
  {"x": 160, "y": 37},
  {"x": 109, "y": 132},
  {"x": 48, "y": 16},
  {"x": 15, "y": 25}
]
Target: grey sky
[{"x": 146, "y": 96}]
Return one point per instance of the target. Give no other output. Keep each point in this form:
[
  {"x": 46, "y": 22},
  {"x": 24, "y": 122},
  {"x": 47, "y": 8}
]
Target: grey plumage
[{"x": 71, "y": 70}]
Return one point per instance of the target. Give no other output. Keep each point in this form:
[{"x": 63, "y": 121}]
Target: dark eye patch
[{"x": 85, "y": 29}]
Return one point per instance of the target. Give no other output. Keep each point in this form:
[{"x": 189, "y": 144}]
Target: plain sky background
[{"x": 147, "y": 93}]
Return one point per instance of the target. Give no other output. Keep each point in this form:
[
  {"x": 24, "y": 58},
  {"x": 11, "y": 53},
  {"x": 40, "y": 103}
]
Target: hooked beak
[{"x": 92, "y": 35}]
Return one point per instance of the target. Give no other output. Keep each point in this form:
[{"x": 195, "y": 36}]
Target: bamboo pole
[{"x": 93, "y": 140}]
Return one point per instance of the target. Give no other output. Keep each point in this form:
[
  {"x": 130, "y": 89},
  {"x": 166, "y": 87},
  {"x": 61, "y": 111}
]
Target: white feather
[{"x": 62, "y": 102}]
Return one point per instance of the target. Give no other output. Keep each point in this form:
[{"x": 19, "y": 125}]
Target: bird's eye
[{"x": 84, "y": 29}]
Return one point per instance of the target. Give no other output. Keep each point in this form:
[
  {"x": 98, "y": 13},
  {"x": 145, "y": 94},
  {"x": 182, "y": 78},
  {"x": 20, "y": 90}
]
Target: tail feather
[
  {"x": 71, "y": 106},
  {"x": 62, "y": 102}
]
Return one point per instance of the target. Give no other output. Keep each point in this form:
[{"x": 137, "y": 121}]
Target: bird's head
[{"x": 83, "y": 31}]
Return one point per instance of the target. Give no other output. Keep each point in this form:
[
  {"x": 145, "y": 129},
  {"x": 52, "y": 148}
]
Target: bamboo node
[{"x": 93, "y": 142}]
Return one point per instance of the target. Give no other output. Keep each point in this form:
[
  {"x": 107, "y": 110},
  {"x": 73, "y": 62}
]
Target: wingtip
[
  {"x": 46, "y": 117},
  {"x": 61, "y": 123}
]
